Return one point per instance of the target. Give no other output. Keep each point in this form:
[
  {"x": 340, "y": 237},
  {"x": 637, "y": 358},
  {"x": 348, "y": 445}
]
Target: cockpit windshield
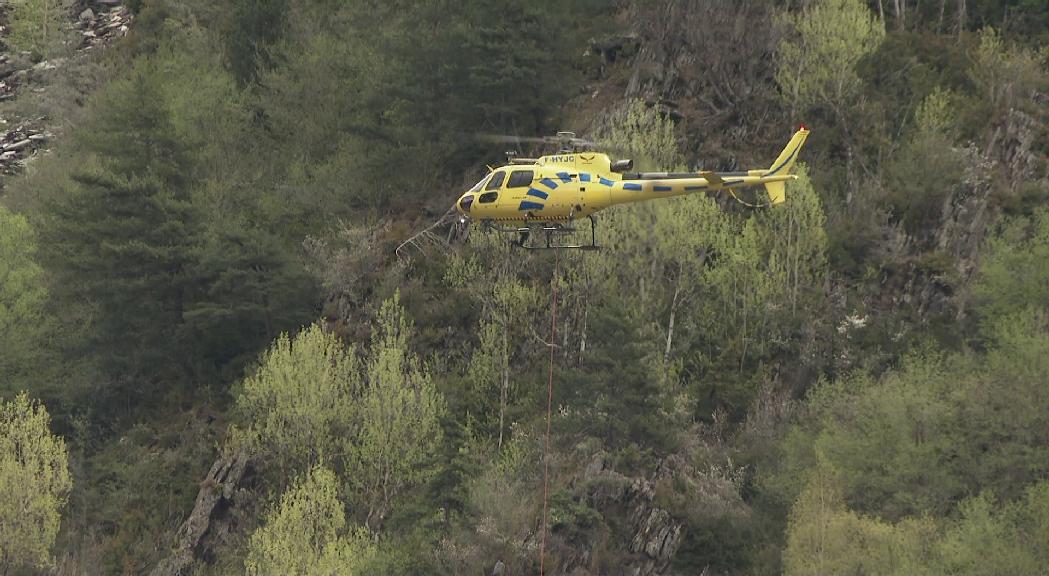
[{"x": 480, "y": 183}]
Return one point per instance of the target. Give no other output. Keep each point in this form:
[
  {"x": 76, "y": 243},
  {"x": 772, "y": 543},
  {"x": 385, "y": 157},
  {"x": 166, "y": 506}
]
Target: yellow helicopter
[{"x": 547, "y": 194}]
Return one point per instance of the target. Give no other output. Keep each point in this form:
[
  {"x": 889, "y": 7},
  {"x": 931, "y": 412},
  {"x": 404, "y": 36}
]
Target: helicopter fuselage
[{"x": 567, "y": 186}]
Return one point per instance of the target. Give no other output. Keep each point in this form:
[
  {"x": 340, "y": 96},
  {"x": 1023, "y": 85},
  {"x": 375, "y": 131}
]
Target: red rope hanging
[{"x": 549, "y": 404}]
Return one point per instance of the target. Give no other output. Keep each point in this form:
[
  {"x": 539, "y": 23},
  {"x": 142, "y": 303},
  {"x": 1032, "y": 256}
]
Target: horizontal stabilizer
[
  {"x": 713, "y": 177},
  {"x": 777, "y": 192}
]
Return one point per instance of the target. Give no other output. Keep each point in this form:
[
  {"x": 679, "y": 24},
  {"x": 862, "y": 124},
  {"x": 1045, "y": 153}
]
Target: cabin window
[
  {"x": 520, "y": 179},
  {"x": 488, "y": 197},
  {"x": 495, "y": 182}
]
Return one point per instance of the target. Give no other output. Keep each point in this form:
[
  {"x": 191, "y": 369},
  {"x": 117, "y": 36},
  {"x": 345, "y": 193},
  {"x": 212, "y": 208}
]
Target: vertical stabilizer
[{"x": 785, "y": 162}]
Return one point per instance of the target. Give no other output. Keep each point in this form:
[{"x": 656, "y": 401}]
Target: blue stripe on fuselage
[
  {"x": 548, "y": 183},
  {"x": 662, "y": 188},
  {"x": 526, "y": 205},
  {"x": 537, "y": 193},
  {"x": 630, "y": 186},
  {"x": 564, "y": 176}
]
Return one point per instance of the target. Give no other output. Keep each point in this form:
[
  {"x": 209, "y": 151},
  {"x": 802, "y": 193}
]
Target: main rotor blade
[
  {"x": 508, "y": 139},
  {"x": 553, "y": 140}
]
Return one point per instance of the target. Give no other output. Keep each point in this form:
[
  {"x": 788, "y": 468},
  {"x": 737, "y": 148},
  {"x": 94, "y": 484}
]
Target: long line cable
[{"x": 549, "y": 405}]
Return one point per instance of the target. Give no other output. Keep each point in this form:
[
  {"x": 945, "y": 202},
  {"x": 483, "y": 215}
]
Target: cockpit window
[
  {"x": 496, "y": 182},
  {"x": 477, "y": 186},
  {"x": 520, "y": 179},
  {"x": 488, "y": 197}
]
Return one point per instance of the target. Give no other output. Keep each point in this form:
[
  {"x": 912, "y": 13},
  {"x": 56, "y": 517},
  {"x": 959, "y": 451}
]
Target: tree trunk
[
  {"x": 670, "y": 324},
  {"x": 582, "y": 334},
  {"x": 962, "y": 17},
  {"x": 794, "y": 232},
  {"x": 504, "y": 389},
  {"x": 564, "y": 336}
]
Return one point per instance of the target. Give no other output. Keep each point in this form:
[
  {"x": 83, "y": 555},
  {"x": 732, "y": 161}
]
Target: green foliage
[
  {"x": 131, "y": 133},
  {"x": 503, "y": 53},
  {"x": 797, "y": 243},
  {"x": 1004, "y": 540},
  {"x": 394, "y": 85},
  {"x": 307, "y": 533},
  {"x": 34, "y": 484},
  {"x": 1000, "y": 292},
  {"x": 641, "y": 131},
  {"x": 227, "y": 136},
  {"x": 572, "y": 519},
  {"x": 254, "y": 27},
  {"x": 1006, "y": 74},
  {"x": 23, "y": 296},
  {"x": 36, "y": 25},
  {"x": 505, "y": 495},
  {"x": 739, "y": 315},
  {"x": 933, "y": 64},
  {"x": 248, "y": 289},
  {"x": 160, "y": 294},
  {"x": 926, "y": 169},
  {"x": 919, "y": 439},
  {"x": 506, "y": 303},
  {"x": 824, "y": 537},
  {"x": 122, "y": 240},
  {"x": 890, "y": 451},
  {"x": 709, "y": 286},
  {"x": 312, "y": 402},
  {"x": 300, "y": 403},
  {"x": 400, "y": 409},
  {"x": 818, "y": 66},
  {"x": 137, "y": 486},
  {"x": 617, "y": 394}
]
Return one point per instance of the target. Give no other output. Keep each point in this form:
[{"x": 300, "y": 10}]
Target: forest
[{"x": 214, "y": 359}]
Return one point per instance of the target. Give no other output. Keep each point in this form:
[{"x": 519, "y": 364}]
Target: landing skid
[{"x": 550, "y": 231}]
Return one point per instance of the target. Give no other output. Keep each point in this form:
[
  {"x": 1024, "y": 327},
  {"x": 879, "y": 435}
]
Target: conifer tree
[
  {"x": 246, "y": 290},
  {"x": 253, "y": 27},
  {"x": 123, "y": 238}
]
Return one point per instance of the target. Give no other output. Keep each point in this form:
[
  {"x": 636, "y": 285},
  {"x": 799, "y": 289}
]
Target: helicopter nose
[{"x": 464, "y": 204}]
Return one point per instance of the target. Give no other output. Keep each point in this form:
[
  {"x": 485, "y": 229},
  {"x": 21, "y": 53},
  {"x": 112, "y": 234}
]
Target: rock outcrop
[
  {"x": 210, "y": 516},
  {"x": 99, "y": 23},
  {"x": 654, "y": 534}
]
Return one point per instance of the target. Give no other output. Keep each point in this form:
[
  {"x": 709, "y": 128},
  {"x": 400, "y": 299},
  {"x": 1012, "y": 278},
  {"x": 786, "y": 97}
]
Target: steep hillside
[{"x": 200, "y": 282}]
